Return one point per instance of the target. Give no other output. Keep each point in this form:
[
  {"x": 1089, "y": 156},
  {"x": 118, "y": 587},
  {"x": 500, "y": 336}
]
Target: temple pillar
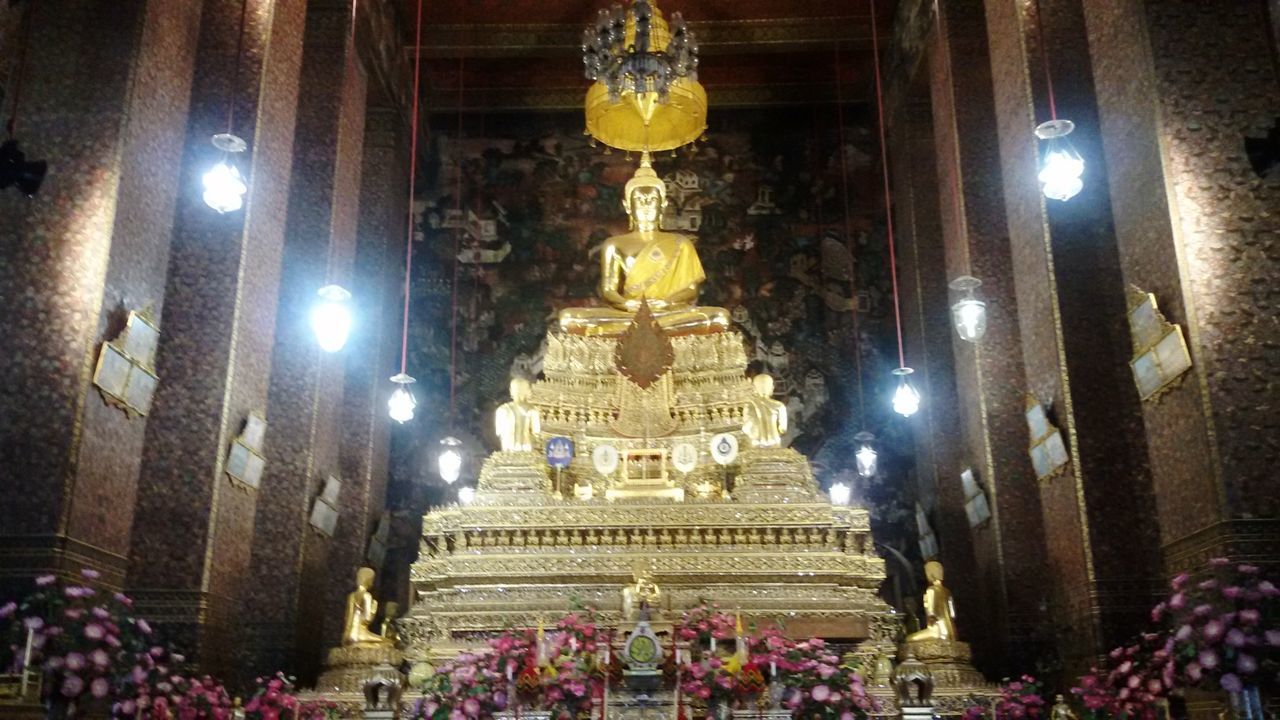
[
  {"x": 191, "y": 559},
  {"x": 1180, "y": 84},
  {"x": 990, "y": 376},
  {"x": 1100, "y": 535},
  {"x": 104, "y": 102},
  {"x": 288, "y": 567},
  {"x": 926, "y": 321},
  {"x": 371, "y": 357}
]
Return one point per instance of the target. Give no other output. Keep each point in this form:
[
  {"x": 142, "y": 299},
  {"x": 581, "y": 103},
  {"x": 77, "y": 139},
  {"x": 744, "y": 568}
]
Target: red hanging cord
[
  {"x": 235, "y": 76},
  {"x": 12, "y": 125},
  {"x": 1044, "y": 61},
  {"x": 848, "y": 241},
  {"x": 413, "y": 176},
  {"x": 457, "y": 248},
  {"x": 884, "y": 164}
]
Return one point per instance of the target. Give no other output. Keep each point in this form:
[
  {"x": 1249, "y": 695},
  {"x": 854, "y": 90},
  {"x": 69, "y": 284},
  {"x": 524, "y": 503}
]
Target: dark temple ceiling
[{"x": 524, "y": 54}]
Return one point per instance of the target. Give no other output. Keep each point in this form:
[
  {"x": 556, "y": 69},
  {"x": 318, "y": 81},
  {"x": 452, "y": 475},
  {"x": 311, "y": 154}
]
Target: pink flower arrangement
[
  {"x": 561, "y": 676},
  {"x": 276, "y": 699},
  {"x": 1020, "y": 699},
  {"x": 1231, "y": 636}
]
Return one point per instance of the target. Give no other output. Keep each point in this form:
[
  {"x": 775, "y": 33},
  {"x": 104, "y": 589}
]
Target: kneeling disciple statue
[
  {"x": 518, "y": 422},
  {"x": 764, "y": 420}
]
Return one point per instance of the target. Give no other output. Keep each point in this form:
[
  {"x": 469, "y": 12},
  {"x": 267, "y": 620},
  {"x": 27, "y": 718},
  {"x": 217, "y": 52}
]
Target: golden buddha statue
[
  {"x": 518, "y": 422},
  {"x": 361, "y": 608},
  {"x": 642, "y": 593},
  {"x": 389, "y": 630},
  {"x": 1061, "y": 710},
  {"x": 764, "y": 420},
  {"x": 939, "y": 612},
  {"x": 650, "y": 264}
]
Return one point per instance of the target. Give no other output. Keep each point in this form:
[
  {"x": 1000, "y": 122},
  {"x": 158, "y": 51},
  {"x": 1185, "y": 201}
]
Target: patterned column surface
[
  {"x": 190, "y": 550},
  {"x": 991, "y": 377},
  {"x": 374, "y": 351},
  {"x": 1100, "y": 534},
  {"x": 104, "y": 102},
  {"x": 284, "y": 603},
  {"x": 1180, "y": 85}
]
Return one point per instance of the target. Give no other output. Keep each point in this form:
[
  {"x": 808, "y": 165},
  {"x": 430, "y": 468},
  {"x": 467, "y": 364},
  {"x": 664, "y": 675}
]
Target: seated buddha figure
[{"x": 649, "y": 265}]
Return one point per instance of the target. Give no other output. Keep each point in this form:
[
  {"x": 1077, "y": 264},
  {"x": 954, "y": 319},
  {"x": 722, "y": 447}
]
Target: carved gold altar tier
[{"x": 772, "y": 544}]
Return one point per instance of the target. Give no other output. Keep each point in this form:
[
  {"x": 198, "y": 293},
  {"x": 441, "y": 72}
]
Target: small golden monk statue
[
  {"x": 642, "y": 593},
  {"x": 939, "y": 612},
  {"x": 361, "y": 607},
  {"x": 518, "y": 422},
  {"x": 650, "y": 264},
  {"x": 1061, "y": 710},
  {"x": 389, "y": 630},
  {"x": 764, "y": 420}
]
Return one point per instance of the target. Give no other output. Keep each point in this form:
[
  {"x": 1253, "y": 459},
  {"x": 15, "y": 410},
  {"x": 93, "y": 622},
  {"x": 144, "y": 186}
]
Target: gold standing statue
[
  {"x": 518, "y": 422},
  {"x": 361, "y": 608},
  {"x": 1061, "y": 710},
  {"x": 642, "y": 593},
  {"x": 939, "y": 612},
  {"x": 764, "y": 420},
  {"x": 647, "y": 263}
]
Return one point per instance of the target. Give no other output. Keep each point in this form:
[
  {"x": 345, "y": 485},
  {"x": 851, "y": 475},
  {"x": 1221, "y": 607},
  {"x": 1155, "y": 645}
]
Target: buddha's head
[
  {"x": 933, "y": 571},
  {"x": 364, "y": 578},
  {"x": 520, "y": 389},
  {"x": 645, "y": 197},
  {"x": 763, "y": 384}
]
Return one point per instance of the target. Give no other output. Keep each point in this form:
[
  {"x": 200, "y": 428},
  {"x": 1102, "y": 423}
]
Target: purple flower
[
  {"x": 1235, "y": 638},
  {"x": 1246, "y": 664},
  {"x": 35, "y": 622},
  {"x": 1208, "y": 584},
  {"x": 45, "y": 580},
  {"x": 1213, "y": 630},
  {"x": 1157, "y": 612},
  {"x": 1178, "y": 601},
  {"x": 1231, "y": 682},
  {"x": 72, "y": 686},
  {"x": 1219, "y": 562},
  {"x": 78, "y": 591},
  {"x": 1250, "y": 616},
  {"x": 1179, "y": 580},
  {"x": 1183, "y": 633},
  {"x": 91, "y": 574},
  {"x": 1268, "y": 588},
  {"x": 1202, "y": 610},
  {"x": 100, "y": 612},
  {"x": 8, "y": 609},
  {"x": 75, "y": 661},
  {"x": 1194, "y": 671},
  {"x": 1248, "y": 569},
  {"x": 99, "y": 687},
  {"x": 123, "y": 599},
  {"x": 144, "y": 627},
  {"x": 94, "y": 631},
  {"x": 100, "y": 658},
  {"x": 1273, "y": 638},
  {"x": 1208, "y": 659},
  {"x": 1231, "y": 592},
  {"x": 820, "y": 693}
]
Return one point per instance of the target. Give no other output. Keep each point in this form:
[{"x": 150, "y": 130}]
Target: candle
[
  {"x": 713, "y": 644},
  {"x": 773, "y": 669},
  {"x": 26, "y": 654},
  {"x": 573, "y": 644}
]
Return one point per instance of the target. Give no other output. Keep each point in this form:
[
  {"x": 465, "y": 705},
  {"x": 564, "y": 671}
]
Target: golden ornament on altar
[
  {"x": 647, "y": 265},
  {"x": 938, "y": 608},
  {"x": 764, "y": 420},
  {"x": 518, "y": 422},
  {"x": 1061, "y": 710},
  {"x": 361, "y": 608},
  {"x": 642, "y": 593}
]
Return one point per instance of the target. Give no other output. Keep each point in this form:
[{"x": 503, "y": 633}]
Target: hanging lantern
[
  {"x": 1061, "y": 166},
  {"x": 401, "y": 404},
  {"x": 969, "y": 313},
  {"x": 224, "y": 187},
  {"x": 466, "y": 494},
  {"x": 866, "y": 455},
  {"x": 331, "y": 317},
  {"x": 840, "y": 494},
  {"x": 906, "y": 401},
  {"x": 449, "y": 462}
]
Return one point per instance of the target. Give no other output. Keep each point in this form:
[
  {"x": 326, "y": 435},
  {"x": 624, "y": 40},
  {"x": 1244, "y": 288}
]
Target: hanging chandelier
[{"x": 646, "y": 94}]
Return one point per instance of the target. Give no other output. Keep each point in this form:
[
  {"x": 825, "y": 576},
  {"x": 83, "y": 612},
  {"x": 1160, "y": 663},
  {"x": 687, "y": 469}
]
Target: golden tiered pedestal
[{"x": 771, "y": 544}]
